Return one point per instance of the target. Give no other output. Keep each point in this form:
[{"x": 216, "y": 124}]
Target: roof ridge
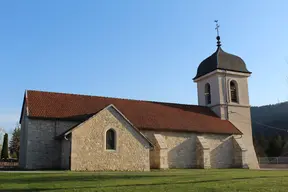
[{"x": 86, "y": 95}]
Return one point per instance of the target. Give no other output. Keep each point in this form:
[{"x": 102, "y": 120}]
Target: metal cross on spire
[
  {"x": 218, "y": 37},
  {"x": 217, "y": 27}
]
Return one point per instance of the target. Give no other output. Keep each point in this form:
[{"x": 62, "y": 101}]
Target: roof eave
[
  {"x": 236, "y": 132},
  {"x": 247, "y": 72},
  {"x": 196, "y": 78}
]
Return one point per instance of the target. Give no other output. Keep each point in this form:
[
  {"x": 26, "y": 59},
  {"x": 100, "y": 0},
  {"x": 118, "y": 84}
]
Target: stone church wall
[
  {"x": 42, "y": 150},
  {"x": 88, "y": 150},
  {"x": 39, "y": 149},
  {"x": 241, "y": 118},
  {"x": 221, "y": 150},
  {"x": 65, "y": 153},
  {"x": 23, "y": 139},
  {"x": 182, "y": 152}
]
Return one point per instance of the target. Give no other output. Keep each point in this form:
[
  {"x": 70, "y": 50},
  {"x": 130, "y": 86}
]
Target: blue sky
[{"x": 146, "y": 50}]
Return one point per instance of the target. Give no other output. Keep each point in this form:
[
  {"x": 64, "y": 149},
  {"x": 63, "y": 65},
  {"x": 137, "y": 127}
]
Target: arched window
[
  {"x": 110, "y": 140},
  {"x": 233, "y": 91},
  {"x": 207, "y": 94}
]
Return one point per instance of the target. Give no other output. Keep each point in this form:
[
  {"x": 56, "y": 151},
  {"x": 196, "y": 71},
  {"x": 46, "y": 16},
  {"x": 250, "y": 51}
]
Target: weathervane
[{"x": 218, "y": 36}]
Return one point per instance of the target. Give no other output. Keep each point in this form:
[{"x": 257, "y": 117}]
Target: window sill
[{"x": 111, "y": 150}]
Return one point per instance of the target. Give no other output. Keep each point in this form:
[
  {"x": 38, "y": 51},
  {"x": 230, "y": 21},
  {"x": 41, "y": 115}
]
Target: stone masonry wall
[
  {"x": 182, "y": 149},
  {"x": 43, "y": 151},
  {"x": 200, "y": 159},
  {"x": 241, "y": 118},
  {"x": 39, "y": 149},
  {"x": 221, "y": 150},
  {"x": 240, "y": 152},
  {"x": 65, "y": 154},
  {"x": 202, "y": 153},
  {"x": 23, "y": 140},
  {"x": 88, "y": 151},
  {"x": 158, "y": 155},
  {"x": 154, "y": 152}
]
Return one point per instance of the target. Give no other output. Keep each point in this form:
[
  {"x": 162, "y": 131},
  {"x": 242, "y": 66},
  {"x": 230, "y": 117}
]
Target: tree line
[
  {"x": 271, "y": 146},
  {"x": 270, "y": 129},
  {"x": 11, "y": 150}
]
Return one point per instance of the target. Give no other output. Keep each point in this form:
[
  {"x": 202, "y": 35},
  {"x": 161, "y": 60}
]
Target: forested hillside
[{"x": 269, "y": 123}]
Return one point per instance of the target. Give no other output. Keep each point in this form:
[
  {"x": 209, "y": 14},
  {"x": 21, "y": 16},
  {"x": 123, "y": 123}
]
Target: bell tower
[{"x": 222, "y": 84}]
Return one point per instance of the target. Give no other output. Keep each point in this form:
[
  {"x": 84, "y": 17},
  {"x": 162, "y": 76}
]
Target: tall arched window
[
  {"x": 233, "y": 91},
  {"x": 207, "y": 94},
  {"x": 110, "y": 140}
]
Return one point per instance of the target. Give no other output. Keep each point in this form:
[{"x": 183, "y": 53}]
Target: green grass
[{"x": 227, "y": 180}]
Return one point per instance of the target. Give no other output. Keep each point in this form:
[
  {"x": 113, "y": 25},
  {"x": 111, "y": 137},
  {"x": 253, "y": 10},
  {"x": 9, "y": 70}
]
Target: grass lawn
[{"x": 227, "y": 180}]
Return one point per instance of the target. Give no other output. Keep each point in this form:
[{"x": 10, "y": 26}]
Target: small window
[
  {"x": 110, "y": 139},
  {"x": 207, "y": 94},
  {"x": 233, "y": 91}
]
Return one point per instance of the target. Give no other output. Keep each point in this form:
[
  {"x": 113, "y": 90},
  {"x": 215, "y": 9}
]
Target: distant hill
[{"x": 275, "y": 116}]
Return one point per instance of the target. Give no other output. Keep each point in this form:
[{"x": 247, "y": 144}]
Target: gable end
[{"x": 109, "y": 107}]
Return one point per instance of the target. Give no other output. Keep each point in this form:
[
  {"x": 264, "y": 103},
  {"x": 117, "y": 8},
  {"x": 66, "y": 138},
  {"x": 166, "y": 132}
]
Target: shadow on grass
[
  {"x": 75, "y": 178},
  {"x": 46, "y": 189},
  {"x": 201, "y": 181},
  {"x": 31, "y": 189},
  {"x": 136, "y": 185},
  {"x": 23, "y": 178}
]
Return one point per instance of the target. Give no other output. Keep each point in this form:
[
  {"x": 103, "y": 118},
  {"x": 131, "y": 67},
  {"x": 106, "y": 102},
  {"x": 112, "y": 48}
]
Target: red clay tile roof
[{"x": 145, "y": 115}]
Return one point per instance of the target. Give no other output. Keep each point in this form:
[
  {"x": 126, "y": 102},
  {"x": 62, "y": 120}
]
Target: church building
[{"x": 93, "y": 133}]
